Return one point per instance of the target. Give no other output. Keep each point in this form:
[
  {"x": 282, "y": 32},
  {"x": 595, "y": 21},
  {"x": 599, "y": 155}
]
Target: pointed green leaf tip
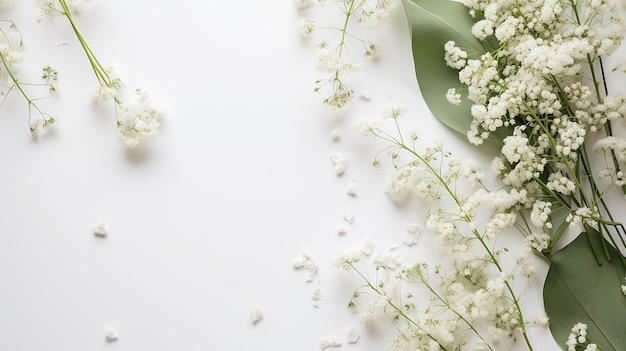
[
  {"x": 578, "y": 290},
  {"x": 432, "y": 23}
]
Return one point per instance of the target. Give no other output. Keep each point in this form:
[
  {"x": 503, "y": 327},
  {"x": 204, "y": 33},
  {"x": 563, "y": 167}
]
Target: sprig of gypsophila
[
  {"x": 330, "y": 52},
  {"x": 11, "y": 41},
  {"x": 477, "y": 287},
  {"x": 578, "y": 338},
  {"x": 534, "y": 86},
  {"x": 135, "y": 121}
]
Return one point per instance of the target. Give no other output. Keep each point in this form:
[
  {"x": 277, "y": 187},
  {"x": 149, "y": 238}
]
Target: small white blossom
[
  {"x": 453, "y": 97},
  {"x": 137, "y": 122},
  {"x": 302, "y": 4},
  {"x": 307, "y": 27},
  {"x": 454, "y": 56}
]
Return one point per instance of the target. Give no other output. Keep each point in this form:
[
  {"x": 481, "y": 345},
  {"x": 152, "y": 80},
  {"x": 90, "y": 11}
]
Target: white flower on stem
[
  {"x": 577, "y": 336},
  {"x": 453, "y": 97},
  {"x": 541, "y": 213},
  {"x": 482, "y": 29},
  {"x": 394, "y": 111},
  {"x": 328, "y": 59},
  {"x": 307, "y": 27},
  {"x": 302, "y": 4},
  {"x": 103, "y": 94},
  {"x": 345, "y": 260},
  {"x": 539, "y": 241},
  {"x": 454, "y": 56},
  {"x": 560, "y": 183},
  {"x": 10, "y": 55},
  {"x": 136, "y": 122},
  {"x": 371, "y": 51},
  {"x": 403, "y": 182},
  {"x": 368, "y": 127}
]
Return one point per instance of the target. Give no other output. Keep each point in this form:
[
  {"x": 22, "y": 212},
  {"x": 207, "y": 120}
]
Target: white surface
[{"x": 204, "y": 220}]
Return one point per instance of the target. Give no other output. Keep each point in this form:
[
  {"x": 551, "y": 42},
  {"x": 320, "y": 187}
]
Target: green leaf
[
  {"x": 577, "y": 290},
  {"x": 432, "y": 23}
]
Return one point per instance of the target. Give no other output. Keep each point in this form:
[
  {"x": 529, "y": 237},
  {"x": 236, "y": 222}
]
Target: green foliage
[
  {"x": 432, "y": 23},
  {"x": 579, "y": 290}
]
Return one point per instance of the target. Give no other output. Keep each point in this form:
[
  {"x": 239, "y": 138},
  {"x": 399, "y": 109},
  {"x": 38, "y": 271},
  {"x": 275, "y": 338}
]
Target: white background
[{"x": 206, "y": 218}]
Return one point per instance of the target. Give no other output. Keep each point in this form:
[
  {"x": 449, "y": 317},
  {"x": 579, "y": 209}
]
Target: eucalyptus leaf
[
  {"x": 432, "y": 23},
  {"x": 578, "y": 290}
]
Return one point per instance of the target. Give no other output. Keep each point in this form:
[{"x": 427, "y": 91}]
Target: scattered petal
[
  {"x": 412, "y": 233},
  {"x": 336, "y": 134},
  {"x": 348, "y": 216},
  {"x": 110, "y": 335},
  {"x": 368, "y": 247},
  {"x": 306, "y": 262},
  {"x": 387, "y": 259},
  {"x": 341, "y": 230},
  {"x": 99, "y": 229},
  {"x": 353, "y": 336},
  {"x": 366, "y": 95},
  {"x": 351, "y": 190},
  {"x": 340, "y": 163},
  {"x": 63, "y": 43},
  {"x": 256, "y": 314},
  {"x": 317, "y": 292},
  {"x": 329, "y": 342}
]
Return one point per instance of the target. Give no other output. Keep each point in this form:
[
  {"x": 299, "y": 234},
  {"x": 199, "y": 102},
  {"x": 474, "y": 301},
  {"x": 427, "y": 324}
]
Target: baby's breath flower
[
  {"x": 454, "y": 56},
  {"x": 371, "y": 51},
  {"x": 453, "y": 97},
  {"x": 137, "y": 122},
  {"x": 394, "y": 111},
  {"x": 539, "y": 241},
  {"x": 302, "y": 4},
  {"x": 307, "y": 27}
]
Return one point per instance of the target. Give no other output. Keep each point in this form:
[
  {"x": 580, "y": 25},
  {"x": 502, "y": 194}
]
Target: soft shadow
[
  {"x": 43, "y": 135},
  {"x": 139, "y": 154}
]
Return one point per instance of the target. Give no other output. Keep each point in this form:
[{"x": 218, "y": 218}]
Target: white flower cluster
[
  {"x": 578, "y": 337},
  {"x": 134, "y": 122},
  {"x": 11, "y": 44},
  {"x": 471, "y": 289},
  {"x": 331, "y": 56},
  {"x": 540, "y": 87}
]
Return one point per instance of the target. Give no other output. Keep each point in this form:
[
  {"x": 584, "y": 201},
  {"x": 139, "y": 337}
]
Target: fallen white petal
[
  {"x": 340, "y": 163},
  {"x": 341, "y": 230},
  {"x": 110, "y": 334},
  {"x": 410, "y": 239},
  {"x": 366, "y": 95},
  {"x": 367, "y": 248},
  {"x": 317, "y": 292},
  {"x": 336, "y": 134},
  {"x": 328, "y": 342},
  {"x": 256, "y": 314},
  {"x": 351, "y": 190},
  {"x": 353, "y": 336},
  {"x": 99, "y": 229},
  {"x": 348, "y": 216},
  {"x": 299, "y": 262}
]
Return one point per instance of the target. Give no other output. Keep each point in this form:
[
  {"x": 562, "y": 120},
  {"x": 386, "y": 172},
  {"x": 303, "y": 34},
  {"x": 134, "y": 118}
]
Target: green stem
[
  {"x": 16, "y": 84},
  {"x": 101, "y": 73},
  {"x": 396, "y": 308}
]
